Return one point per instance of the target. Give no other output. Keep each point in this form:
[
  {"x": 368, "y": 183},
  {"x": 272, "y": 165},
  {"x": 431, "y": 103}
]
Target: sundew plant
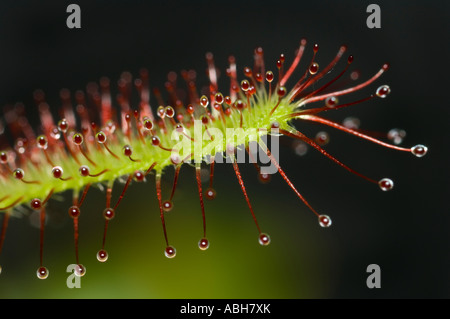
[{"x": 104, "y": 140}]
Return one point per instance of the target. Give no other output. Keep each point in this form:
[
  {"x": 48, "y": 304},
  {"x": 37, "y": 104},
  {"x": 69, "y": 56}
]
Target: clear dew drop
[
  {"x": 102, "y": 255},
  {"x": 313, "y": 68},
  {"x": 139, "y": 176},
  {"x": 331, "y": 101},
  {"x": 101, "y": 137},
  {"x": 264, "y": 239},
  {"x": 383, "y": 91},
  {"x": 74, "y": 211},
  {"x": 203, "y": 244},
  {"x": 108, "y": 213},
  {"x": 80, "y": 270},
  {"x": 84, "y": 170},
  {"x": 325, "y": 221},
  {"x": 3, "y": 157},
  {"x": 269, "y": 76},
  {"x": 170, "y": 252},
  {"x": 419, "y": 150},
  {"x": 386, "y": 184},
  {"x": 204, "y": 101},
  {"x": 63, "y": 125},
  {"x": 160, "y": 111},
  {"x": 19, "y": 173},
  {"x": 42, "y": 273},
  {"x": 42, "y": 142},
  {"x": 57, "y": 171}
]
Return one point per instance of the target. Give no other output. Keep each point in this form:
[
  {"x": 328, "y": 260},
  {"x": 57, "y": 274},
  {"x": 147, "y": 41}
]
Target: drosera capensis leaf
[{"x": 101, "y": 140}]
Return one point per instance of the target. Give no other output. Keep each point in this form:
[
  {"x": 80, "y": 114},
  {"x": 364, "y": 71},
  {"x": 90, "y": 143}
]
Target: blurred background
[{"x": 404, "y": 231}]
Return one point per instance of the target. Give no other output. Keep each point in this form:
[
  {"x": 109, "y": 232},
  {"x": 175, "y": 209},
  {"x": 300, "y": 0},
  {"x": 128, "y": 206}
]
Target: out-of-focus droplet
[
  {"x": 210, "y": 193},
  {"x": 264, "y": 178},
  {"x": 322, "y": 138},
  {"x": 300, "y": 147},
  {"x": 396, "y": 135},
  {"x": 351, "y": 123}
]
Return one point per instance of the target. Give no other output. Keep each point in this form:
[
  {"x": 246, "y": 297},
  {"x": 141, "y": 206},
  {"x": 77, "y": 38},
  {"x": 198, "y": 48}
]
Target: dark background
[{"x": 404, "y": 231}]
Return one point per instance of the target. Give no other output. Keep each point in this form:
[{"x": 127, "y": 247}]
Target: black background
[{"x": 410, "y": 224}]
